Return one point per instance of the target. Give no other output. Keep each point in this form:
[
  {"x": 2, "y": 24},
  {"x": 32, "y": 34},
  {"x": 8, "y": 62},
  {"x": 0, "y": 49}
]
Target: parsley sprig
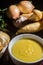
[{"x": 2, "y": 22}]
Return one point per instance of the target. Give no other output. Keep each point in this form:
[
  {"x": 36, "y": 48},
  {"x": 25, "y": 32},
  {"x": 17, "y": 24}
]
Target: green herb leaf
[
  {"x": 0, "y": 10},
  {"x": 0, "y": 17}
]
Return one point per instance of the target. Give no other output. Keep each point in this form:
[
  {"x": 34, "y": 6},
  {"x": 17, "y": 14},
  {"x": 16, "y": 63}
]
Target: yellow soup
[{"x": 27, "y": 50}]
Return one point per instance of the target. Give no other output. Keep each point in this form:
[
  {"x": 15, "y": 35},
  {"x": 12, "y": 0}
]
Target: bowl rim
[
  {"x": 3, "y": 51},
  {"x": 11, "y": 55}
]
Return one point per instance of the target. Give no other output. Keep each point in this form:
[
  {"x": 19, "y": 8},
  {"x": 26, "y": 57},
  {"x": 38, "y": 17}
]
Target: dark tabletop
[{"x": 5, "y": 60}]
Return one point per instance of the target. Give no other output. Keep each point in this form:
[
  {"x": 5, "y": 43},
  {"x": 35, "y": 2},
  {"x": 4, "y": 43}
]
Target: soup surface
[{"x": 27, "y": 50}]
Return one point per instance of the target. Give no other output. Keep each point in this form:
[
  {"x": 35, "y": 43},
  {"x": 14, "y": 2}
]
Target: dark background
[{"x": 5, "y": 3}]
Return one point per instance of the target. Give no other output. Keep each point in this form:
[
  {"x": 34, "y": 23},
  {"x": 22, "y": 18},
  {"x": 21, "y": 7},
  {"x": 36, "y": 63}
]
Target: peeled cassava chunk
[
  {"x": 33, "y": 27},
  {"x": 13, "y": 12},
  {"x": 26, "y": 6},
  {"x": 37, "y": 15},
  {"x": 22, "y": 20}
]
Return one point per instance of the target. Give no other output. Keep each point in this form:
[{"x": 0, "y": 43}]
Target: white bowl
[{"x": 31, "y": 36}]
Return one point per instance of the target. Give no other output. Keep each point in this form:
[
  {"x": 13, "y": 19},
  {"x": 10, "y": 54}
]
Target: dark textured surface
[
  {"x": 5, "y": 3},
  {"x": 5, "y": 60}
]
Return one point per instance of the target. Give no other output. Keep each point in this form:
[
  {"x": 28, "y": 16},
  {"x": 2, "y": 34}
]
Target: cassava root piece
[
  {"x": 22, "y": 19},
  {"x": 36, "y": 15},
  {"x": 25, "y": 6},
  {"x": 33, "y": 27}
]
